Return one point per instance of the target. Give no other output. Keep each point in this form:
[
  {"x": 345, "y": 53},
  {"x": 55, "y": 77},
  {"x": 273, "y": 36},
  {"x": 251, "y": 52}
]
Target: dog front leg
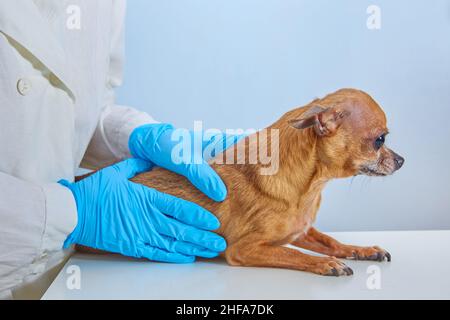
[
  {"x": 316, "y": 241},
  {"x": 262, "y": 255}
]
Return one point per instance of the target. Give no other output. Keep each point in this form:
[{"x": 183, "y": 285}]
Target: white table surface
[{"x": 420, "y": 269}]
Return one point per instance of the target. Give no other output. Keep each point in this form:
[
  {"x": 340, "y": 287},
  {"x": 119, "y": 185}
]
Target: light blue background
[{"x": 243, "y": 63}]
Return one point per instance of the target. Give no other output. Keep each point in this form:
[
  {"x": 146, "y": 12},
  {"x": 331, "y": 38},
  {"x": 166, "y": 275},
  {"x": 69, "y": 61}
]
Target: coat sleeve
[
  {"x": 110, "y": 141},
  {"x": 32, "y": 228}
]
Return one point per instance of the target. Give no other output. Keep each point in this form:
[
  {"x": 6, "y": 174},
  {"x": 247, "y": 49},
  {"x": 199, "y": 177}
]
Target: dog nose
[{"x": 399, "y": 161}]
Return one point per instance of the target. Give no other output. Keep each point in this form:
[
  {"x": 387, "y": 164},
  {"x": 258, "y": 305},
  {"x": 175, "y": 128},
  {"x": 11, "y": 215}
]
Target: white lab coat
[{"x": 57, "y": 112}]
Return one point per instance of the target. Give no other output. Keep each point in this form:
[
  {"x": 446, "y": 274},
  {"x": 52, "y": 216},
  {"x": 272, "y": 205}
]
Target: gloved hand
[
  {"x": 160, "y": 144},
  {"x": 117, "y": 215}
]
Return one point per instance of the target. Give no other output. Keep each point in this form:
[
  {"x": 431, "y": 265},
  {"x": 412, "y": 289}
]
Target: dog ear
[{"x": 325, "y": 121}]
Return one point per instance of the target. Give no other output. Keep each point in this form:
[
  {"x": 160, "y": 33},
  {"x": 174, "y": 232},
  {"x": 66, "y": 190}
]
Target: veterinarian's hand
[
  {"x": 184, "y": 152},
  {"x": 117, "y": 215}
]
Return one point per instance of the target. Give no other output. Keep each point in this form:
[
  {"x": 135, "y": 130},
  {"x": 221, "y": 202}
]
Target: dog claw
[
  {"x": 345, "y": 271},
  {"x": 348, "y": 271},
  {"x": 388, "y": 256}
]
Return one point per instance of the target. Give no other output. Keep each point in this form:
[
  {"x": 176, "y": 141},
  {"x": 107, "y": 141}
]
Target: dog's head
[{"x": 351, "y": 130}]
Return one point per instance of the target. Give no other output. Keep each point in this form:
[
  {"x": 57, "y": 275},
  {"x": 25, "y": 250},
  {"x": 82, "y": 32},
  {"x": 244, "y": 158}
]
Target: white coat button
[{"x": 24, "y": 86}]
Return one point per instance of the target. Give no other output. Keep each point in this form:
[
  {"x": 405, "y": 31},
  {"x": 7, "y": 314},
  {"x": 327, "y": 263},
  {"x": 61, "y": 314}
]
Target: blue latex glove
[
  {"x": 155, "y": 143},
  {"x": 117, "y": 215}
]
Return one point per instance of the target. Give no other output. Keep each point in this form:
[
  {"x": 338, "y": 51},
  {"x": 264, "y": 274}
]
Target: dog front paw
[
  {"x": 331, "y": 267},
  {"x": 374, "y": 253}
]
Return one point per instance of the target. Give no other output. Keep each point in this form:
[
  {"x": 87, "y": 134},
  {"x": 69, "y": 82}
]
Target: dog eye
[{"x": 379, "y": 142}]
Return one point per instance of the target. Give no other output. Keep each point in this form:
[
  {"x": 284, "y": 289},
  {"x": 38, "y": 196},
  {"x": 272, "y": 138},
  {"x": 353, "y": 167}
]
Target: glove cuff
[{"x": 75, "y": 235}]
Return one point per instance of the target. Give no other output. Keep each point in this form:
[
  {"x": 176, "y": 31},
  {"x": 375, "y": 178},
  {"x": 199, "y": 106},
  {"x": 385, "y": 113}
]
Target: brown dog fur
[{"x": 329, "y": 138}]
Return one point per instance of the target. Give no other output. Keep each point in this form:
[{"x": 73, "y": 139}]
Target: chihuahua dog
[{"x": 339, "y": 136}]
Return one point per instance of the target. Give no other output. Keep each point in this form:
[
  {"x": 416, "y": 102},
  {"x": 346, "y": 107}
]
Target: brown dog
[{"x": 339, "y": 136}]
